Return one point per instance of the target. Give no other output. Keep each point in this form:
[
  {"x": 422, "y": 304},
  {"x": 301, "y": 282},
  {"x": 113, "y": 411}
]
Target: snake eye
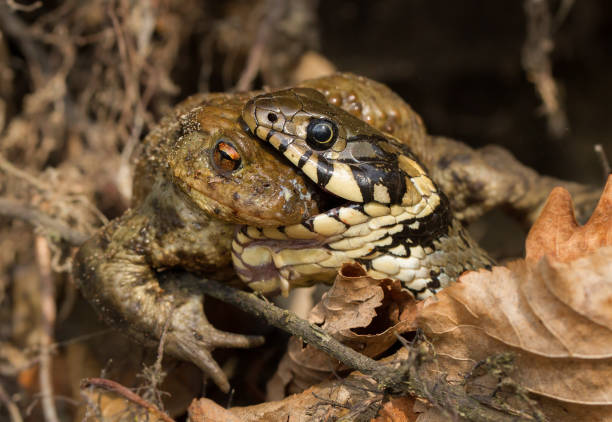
[
  {"x": 321, "y": 134},
  {"x": 225, "y": 157},
  {"x": 272, "y": 117}
]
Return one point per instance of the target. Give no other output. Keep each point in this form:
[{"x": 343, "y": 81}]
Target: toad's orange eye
[{"x": 226, "y": 157}]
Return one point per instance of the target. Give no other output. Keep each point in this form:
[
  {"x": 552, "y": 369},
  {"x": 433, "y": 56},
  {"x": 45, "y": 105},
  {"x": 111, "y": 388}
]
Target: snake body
[{"x": 396, "y": 222}]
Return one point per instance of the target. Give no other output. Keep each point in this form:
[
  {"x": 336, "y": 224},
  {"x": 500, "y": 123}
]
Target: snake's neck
[{"x": 424, "y": 247}]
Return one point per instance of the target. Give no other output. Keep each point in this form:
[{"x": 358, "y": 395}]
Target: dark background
[{"x": 459, "y": 65}]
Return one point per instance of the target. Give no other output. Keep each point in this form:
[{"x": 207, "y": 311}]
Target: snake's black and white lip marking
[
  {"x": 354, "y": 165},
  {"x": 397, "y": 223}
]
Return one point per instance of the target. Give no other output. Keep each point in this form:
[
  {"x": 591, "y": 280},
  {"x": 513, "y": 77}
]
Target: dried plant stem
[
  {"x": 603, "y": 158},
  {"x": 24, "y": 7},
  {"x": 12, "y": 408},
  {"x": 43, "y": 256},
  {"x": 275, "y": 9},
  {"x": 34, "y": 216},
  {"x": 537, "y": 64},
  {"x": 127, "y": 394},
  {"x": 24, "y": 175}
]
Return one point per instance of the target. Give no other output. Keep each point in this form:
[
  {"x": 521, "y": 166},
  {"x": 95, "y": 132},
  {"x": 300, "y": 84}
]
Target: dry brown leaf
[
  {"x": 301, "y": 367},
  {"x": 557, "y": 233},
  {"x": 362, "y": 312},
  {"x": 554, "y": 315},
  {"x": 359, "y": 311},
  {"x": 510, "y": 309},
  {"x": 205, "y": 410},
  {"x": 430, "y": 414},
  {"x": 400, "y": 409},
  {"x": 327, "y": 401}
]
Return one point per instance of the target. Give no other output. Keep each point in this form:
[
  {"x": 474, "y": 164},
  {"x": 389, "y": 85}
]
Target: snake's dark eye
[
  {"x": 225, "y": 157},
  {"x": 321, "y": 134},
  {"x": 272, "y": 117}
]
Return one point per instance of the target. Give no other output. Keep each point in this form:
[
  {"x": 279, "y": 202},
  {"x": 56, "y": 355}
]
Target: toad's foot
[
  {"x": 115, "y": 277},
  {"x": 191, "y": 337}
]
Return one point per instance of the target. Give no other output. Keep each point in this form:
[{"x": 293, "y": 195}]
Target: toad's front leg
[{"x": 115, "y": 273}]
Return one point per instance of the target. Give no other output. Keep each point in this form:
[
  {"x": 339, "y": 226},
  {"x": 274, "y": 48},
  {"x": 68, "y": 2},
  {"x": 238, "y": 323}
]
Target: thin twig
[
  {"x": 564, "y": 8},
  {"x": 43, "y": 187},
  {"x": 43, "y": 256},
  {"x": 126, "y": 393},
  {"x": 603, "y": 158},
  {"x": 23, "y": 175},
  {"x": 537, "y": 64},
  {"x": 275, "y": 9},
  {"x": 12, "y": 408},
  {"x": 24, "y": 7},
  {"x": 154, "y": 375},
  {"x": 37, "y": 218}
]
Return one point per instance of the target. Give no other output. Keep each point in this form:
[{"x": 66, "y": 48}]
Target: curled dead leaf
[
  {"x": 364, "y": 313},
  {"x": 361, "y": 312}
]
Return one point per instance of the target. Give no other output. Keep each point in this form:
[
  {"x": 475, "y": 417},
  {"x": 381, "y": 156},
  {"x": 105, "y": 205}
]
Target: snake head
[{"x": 339, "y": 152}]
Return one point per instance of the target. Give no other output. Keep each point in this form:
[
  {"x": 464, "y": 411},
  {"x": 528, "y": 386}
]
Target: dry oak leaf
[
  {"x": 361, "y": 312},
  {"x": 557, "y": 233},
  {"x": 552, "y": 310}
]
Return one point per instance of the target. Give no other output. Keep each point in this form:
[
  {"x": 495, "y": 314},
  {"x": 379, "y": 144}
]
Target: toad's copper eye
[
  {"x": 226, "y": 157},
  {"x": 321, "y": 134}
]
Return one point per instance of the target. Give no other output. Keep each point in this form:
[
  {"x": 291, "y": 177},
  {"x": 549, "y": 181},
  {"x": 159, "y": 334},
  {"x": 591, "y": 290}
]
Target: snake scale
[{"x": 393, "y": 220}]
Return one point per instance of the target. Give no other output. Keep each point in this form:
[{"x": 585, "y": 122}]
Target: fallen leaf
[
  {"x": 556, "y": 232},
  {"x": 552, "y": 311},
  {"x": 205, "y": 410},
  {"x": 400, "y": 409},
  {"x": 433, "y": 414},
  {"x": 302, "y": 366},
  {"x": 327, "y": 401},
  {"x": 510, "y": 309},
  {"x": 361, "y": 312}
]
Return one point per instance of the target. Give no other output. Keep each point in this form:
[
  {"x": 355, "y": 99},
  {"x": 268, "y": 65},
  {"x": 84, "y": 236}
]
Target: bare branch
[
  {"x": 43, "y": 256},
  {"x": 603, "y": 158},
  {"x": 37, "y": 218},
  {"x": 24, "y": 7},
  {"x": 275, "y": 9},
  {"x": 537, "y": 64},
  {"x": 12, "y": 408}
]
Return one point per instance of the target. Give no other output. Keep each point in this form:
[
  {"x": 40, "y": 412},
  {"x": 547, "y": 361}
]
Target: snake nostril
[{"x": 272, "y": 117}]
